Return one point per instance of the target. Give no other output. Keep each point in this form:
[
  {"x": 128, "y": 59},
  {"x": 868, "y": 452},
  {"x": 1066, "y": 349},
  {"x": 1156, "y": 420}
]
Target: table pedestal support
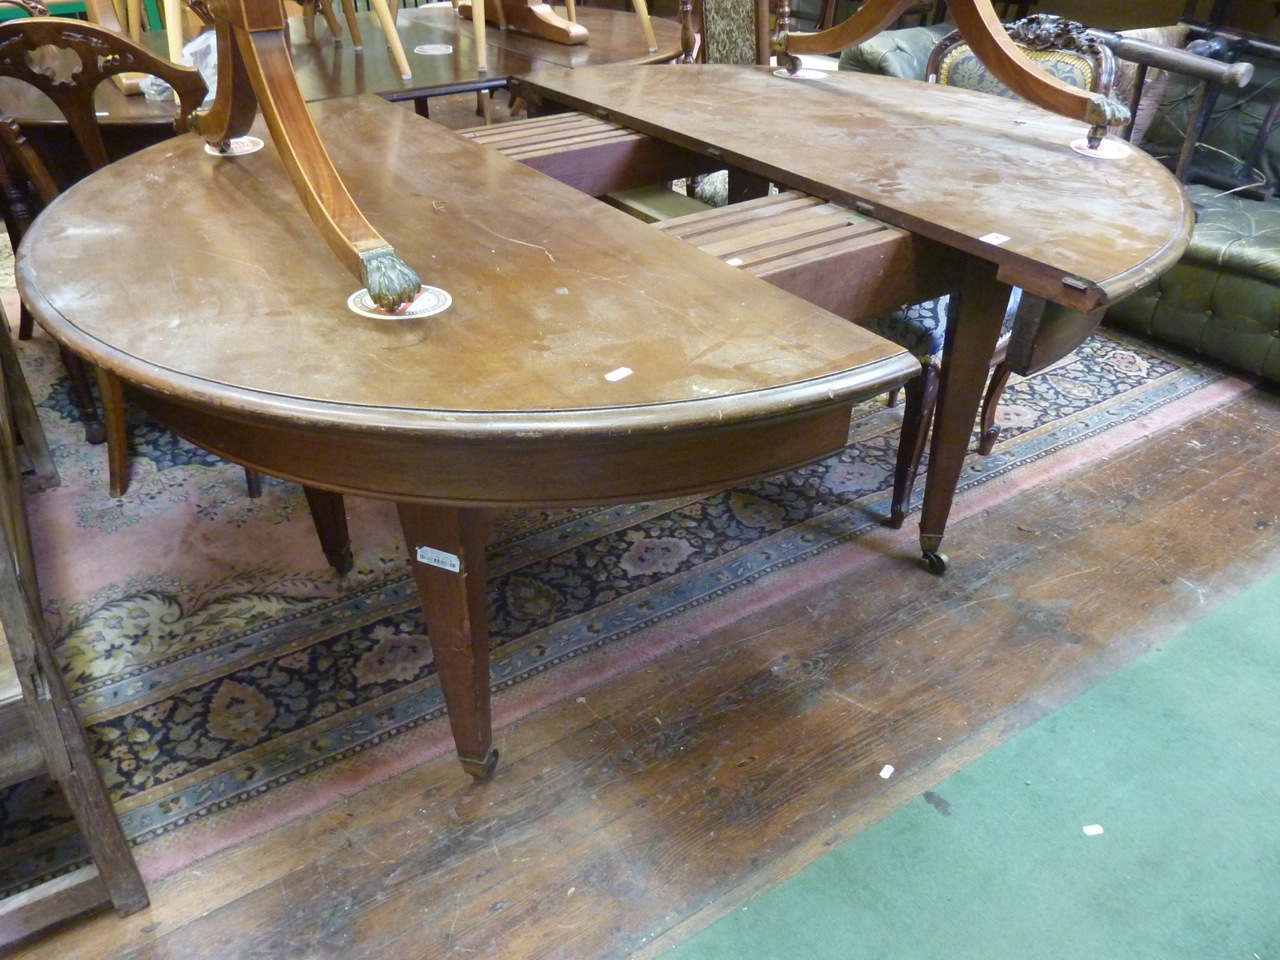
[
  {"x": 970, "y": 343},
  {"x": 455, "y": 605}
]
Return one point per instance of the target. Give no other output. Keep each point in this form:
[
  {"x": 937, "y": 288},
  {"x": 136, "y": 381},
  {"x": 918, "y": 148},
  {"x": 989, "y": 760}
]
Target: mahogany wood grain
[
  {"x": 991, "y": 179},
  {"x": 591, "y": 155},
  {"x": 668, "y": 795},
  {"x": 856, "y": 267}
]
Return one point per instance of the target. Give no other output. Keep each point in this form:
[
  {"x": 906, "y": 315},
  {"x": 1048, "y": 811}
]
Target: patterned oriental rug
[{"x": 229, "y": 681}]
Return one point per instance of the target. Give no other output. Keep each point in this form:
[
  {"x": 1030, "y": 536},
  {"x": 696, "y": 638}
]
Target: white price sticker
[{"x": 438, "y": 558}]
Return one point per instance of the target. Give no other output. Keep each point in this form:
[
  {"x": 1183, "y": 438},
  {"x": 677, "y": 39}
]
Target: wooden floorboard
[{"x": 624, "y": 820}]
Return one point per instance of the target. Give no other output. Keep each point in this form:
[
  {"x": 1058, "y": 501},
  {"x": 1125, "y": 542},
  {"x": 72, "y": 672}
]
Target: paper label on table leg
[{"x": 438, "y": 558}]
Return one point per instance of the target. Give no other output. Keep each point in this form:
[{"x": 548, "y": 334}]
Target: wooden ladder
[{"x": 39, "y": 731}]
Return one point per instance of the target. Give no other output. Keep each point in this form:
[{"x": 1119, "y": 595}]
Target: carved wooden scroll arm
[
  {"x": 986, "y": 36},
  {"x": 254, "y": 68},
  {"x": 868, "y": 20},
  {"x": 34, "y": 8}
]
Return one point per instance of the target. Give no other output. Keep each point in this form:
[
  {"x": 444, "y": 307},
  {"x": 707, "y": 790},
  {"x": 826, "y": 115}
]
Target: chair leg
[
  {"x": 921, "y": 396},
  {"x": 112, "y": 390},
  {"x": 990, "y": 432},
  {"x": 329, "y": 514},
  {"x": 23, "y": 411},
  {"x": 87, "y": 797},
  {"x": 26, "y": 323},
  {"x": 253, "y": 482},
  {"x": 78, "y": 374},
  {"x": 484, "y": 100}
]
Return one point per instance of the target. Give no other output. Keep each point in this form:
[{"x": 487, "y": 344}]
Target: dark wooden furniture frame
[
  {"x": 39, "y": 731},
  {"x": 92, "y": 55}
]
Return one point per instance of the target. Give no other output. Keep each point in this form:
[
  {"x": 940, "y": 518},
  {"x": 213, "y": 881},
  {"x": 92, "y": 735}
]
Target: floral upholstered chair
[{"x": 735, "y": 31}]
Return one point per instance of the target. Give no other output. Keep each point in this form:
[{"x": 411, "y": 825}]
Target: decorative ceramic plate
[
  {"x": 240, "y": 146},
  {"x": 1108, "y": 149},
  {"x": 801, "y": 74},
  {"x": 429, "y": 301}
]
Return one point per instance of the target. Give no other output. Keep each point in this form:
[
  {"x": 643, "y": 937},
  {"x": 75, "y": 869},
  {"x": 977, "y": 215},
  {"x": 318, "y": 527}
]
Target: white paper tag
[
  {"x": 613, "y": 376},
  {"x": 438, "y": 558},
  {"x": 1093, "y": 830},
  {"x": 996, "y": 238}
]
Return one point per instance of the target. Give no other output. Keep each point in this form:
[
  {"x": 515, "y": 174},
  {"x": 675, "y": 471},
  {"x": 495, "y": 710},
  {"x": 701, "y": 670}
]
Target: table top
[
  {"x": 202, "y": 276},
  {"x": 988, "y": 176},
  {"x": 326, "y": 69}
]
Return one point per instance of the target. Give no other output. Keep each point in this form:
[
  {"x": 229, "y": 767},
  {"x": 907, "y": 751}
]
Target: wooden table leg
[
  {"x": 329, "y": 515},
  {"x": 966, "y": 361},
  {"x": 446, "y": 550}
]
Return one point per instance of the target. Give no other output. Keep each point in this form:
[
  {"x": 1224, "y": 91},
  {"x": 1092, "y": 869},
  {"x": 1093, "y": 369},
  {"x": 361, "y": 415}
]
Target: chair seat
[{"x": 922, "y": 327}]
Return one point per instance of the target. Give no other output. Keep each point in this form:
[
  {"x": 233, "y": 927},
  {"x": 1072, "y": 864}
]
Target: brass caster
[
  {"x": 935, "y": 561},
  {"x": 95, "y": 432},
  {"x": 481, "y": 769}
]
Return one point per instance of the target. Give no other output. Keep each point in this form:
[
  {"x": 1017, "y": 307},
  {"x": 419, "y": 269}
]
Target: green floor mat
[{"x": 1141, "y": 820}]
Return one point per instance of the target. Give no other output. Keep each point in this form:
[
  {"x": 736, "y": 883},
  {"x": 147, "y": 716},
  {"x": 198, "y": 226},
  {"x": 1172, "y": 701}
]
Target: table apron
[{"x": 544, "y": 470}]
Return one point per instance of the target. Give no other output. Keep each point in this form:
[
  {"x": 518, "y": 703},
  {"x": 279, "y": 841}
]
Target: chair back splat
[{"x": 67, "y": 60}]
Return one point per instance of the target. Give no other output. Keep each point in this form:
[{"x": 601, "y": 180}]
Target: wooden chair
[
  {"x": 386, "y": 19},
  {"x": 87, "y": 55},
  {"x": 39, "y": 731},
  {"x": 1062, "y": 48},
  {"x": 66, "y": 60}
]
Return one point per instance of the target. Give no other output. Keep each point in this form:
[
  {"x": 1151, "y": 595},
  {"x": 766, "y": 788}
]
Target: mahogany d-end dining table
[{"x": 585, "y": 357}]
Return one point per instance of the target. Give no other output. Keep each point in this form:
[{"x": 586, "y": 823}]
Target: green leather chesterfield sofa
[{"x": 1222, "y": 300}]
